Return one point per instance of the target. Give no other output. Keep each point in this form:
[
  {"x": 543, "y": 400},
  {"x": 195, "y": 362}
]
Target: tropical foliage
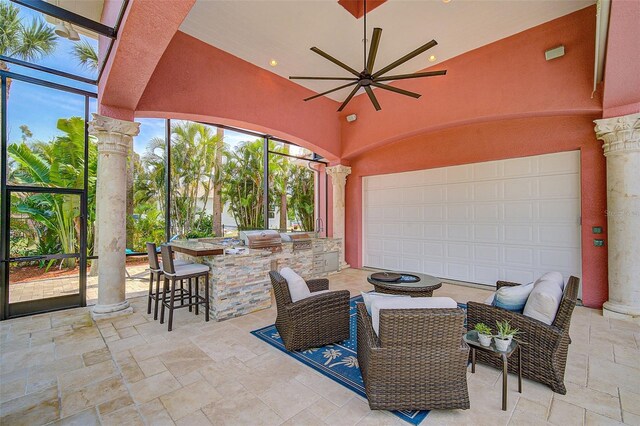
[{"x": 50, "y": 223}]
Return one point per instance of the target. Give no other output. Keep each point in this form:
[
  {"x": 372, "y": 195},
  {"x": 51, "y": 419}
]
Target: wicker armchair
[
  {"x": 312, "y": 322},
  {"x": 417, "y": 362},
  {"x": 544, "y": 352}
]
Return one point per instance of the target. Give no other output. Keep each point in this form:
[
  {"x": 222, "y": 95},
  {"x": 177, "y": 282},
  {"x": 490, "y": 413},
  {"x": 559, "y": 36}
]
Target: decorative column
[
  {"x": 114, "y": 142},
  {"x": 339, "y": 175},
  {"x": 621, "y": 136}
]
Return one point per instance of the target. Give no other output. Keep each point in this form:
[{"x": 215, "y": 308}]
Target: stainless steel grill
[
  {"x": 301, "y": 240},
  {"x": 263, "y": 240}
]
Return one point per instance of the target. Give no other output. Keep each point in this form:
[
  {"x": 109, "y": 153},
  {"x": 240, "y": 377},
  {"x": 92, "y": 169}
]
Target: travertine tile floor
[{"x": 62, "y": 368}]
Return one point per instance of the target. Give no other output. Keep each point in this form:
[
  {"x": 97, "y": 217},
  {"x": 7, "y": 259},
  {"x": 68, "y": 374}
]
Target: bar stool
[
  {"x": 174, "y": 273},
  {"x": 156, "y": 274}
]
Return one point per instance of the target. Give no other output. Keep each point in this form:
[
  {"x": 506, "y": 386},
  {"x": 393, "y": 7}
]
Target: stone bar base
[
  {"x": 109, "y": 311},
  {"x": 620, "y": 312}
]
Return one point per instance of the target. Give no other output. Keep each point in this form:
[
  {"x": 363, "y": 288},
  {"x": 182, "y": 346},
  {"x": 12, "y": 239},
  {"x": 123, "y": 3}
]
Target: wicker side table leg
[
  {"x": 519, "y": 369},
  {"x": 473, "y": 360}
]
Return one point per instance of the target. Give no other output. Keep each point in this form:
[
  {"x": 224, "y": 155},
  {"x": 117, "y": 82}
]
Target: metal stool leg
[
  {"x": 165, "y": 283},
  {"x": 150, "y": 292},
  {"x": 172, "y": 301},
  {"x": 190, "y": 294},
  {"x": 206, "y": 297},
  {"x": 196, "y": 297},
  {"x": 155, "y": 309}
]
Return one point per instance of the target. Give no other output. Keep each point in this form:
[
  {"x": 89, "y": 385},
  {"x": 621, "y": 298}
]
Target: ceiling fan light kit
[{"x": 367, "y": 77}]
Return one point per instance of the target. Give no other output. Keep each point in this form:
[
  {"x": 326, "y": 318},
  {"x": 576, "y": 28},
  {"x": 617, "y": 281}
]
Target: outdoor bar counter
[{"x": 239, "y": 283}]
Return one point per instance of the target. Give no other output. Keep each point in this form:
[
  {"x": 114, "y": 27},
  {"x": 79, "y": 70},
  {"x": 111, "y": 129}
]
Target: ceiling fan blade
[
  {"x": 405, "y": 58},
  {"x": 335, "y": 61},
  {"x": 346, "y": 101},
  {"x": 373, "y": 98},
  {"x": 414, "y": 75},
  {"x": 373, "y": 49},
  {"x": 395, "y": 89},
  {"x": 322, "y": 78},
  {"x": 329, "y": 91}
]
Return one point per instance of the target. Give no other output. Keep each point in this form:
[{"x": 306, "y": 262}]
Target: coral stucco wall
[
  {"x": 221, "y": 88},
  {"x": 489, "y": 141},
  {"x": 506, "y": 79},
  {"x": 503, "y": 100}
]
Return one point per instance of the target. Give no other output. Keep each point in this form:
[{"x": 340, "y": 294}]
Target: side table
[{"x": 471, "y": 338}]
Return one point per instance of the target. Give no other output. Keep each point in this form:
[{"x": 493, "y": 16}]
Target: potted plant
[
  {"x": 505, "y": 335},
  {"x": 484, "y": 333}
]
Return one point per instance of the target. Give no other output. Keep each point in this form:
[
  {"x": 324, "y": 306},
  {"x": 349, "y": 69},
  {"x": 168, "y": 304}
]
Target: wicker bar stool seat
[
  {"x": 155, "y": 276},
  {"x": 191, "y": 272}
]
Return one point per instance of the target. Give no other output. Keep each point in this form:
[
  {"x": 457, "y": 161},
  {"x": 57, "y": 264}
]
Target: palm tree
[
  {"x": 28, "y": 42},
  {"x": 217, "y": 185},
  {"x": 58, "y": 164},
  {"x": 86, "y": 55}
]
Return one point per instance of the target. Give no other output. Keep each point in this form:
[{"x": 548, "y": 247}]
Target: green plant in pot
[
  {"x": 484, "y": 333},
  {"x": 505, "y": 334}
]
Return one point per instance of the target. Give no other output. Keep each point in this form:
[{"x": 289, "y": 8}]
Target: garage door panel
[
  {"x": 433, "y": 213},
  {"x": 487, "y": 171},
  {"x": 520, "y": 189},
  {"x": 565, "y": 211},
  {"x": 510, "y": 219},
  {"x": 412, "y": 213},
  {"x": 411, "y": 264},
  {"x": 487, "y": 254},
  {"x": 458, "y": 212},
  {"x": 458, "y": 193},
  {"x": 487, "y": 212},
  {"x": 487, "y": 233},
  {"x": 559, "y": 186},
  {"x": 459, "y": 173},
  {"x": 412, "y": 230}
]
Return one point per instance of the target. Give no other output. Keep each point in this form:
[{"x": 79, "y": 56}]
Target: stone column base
[
  {"x": 621, "y": 312},
  {"x": 109, "y": 311}
]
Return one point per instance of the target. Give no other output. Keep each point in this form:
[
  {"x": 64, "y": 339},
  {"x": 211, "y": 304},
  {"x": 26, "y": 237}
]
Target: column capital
[
  {"x": 114, "y": 136},
  {"x": 339, "y": 173},
  {"x": 620, "y": 134}
]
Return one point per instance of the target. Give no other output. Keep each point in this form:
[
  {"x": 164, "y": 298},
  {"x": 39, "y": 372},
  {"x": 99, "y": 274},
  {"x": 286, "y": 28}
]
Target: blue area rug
[{"x": 338, "y": 361}]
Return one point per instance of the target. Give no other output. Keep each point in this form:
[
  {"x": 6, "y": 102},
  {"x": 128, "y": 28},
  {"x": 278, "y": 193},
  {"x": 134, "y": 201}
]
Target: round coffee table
[{"x": 407, "y": 285}]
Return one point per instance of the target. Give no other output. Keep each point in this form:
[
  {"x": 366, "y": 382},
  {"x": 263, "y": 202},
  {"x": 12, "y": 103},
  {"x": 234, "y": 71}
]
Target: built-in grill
[
  {"x": 263, "y": 240},
  {"x": 301, "y": 240}
]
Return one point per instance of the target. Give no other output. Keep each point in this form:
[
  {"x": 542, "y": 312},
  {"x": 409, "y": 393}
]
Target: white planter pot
[
  {"x": 485, "y": 339},
  {"x": 502, "y": 345}
]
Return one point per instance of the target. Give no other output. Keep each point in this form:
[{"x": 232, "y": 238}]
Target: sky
[{"x": 40, "y": 107}]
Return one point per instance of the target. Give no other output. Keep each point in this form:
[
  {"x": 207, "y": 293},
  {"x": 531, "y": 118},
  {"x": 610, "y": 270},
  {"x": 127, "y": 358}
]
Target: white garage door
[{"x": 510, "y": 220}]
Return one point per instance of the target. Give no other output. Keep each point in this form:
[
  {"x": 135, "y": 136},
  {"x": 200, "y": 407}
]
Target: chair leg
[
  {"x": 150, "y": 292},
  {"x": 190, "y": 295},
  {"x": 196, "y": 297},
  {"x": 155, "y": 309},
  {"x": 172, "y": 302},
  {"x": 164, "y": 298},
  {"x": 206, "y": 297}
]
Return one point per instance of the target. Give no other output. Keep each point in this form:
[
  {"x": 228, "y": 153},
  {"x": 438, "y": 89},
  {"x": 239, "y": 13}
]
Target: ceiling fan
[{"x": 367, "y": 77}]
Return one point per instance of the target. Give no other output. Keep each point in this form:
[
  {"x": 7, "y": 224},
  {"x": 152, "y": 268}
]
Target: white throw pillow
[
  {"x": 369, "y": 298},
  {"x": 407, "y": 303},
  {"x": 513, "y": 298},
  {"x": 555, "y": 277},
  {"x": 298, "y": 288},
  {"x": 543, "y": 301}
]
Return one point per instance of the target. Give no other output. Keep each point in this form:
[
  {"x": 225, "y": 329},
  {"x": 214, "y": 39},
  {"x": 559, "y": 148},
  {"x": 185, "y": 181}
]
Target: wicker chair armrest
[
  {"x": 530, "y": 328},
  {"x": 318, "y": 284},
  {"x": 506, "y": 284},
  {"x": 370, "y": 336},
  {"x": 319, "y": 303}
]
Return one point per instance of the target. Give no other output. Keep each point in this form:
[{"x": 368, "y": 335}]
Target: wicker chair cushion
[
  {"x": 512, "y": 298},
  {"x": 369, "y": 298},
  {"x": 543, "y": 301},
  {"x": 555, "y": 277},
  {"x": 407, "y": 303},
  {"x": 298, "y": 288}
]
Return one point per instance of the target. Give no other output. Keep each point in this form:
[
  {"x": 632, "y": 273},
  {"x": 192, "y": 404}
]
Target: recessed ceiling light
[
  {"x": 446, "y": 1},
  {"x": 273, "y": 62},
  {"x": 432, "y": 58}
]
